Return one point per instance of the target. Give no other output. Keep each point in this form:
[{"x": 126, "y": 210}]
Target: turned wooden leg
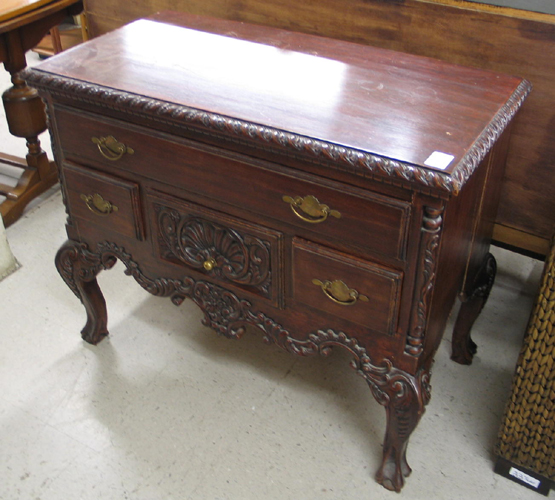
[
  {"x": 26, "y": 119},
  {"x": 463, "y": 348},
  {"x": 79, "y": 268},
  {"x": 404, "y": 397}
]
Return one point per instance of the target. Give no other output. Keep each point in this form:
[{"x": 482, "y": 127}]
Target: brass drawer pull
[
  {"x": 111, "y": 148},
  {"x": 98, "y": 205},
  {"x": 339, "y": 292},
  {"x": 309, "y": 205}
]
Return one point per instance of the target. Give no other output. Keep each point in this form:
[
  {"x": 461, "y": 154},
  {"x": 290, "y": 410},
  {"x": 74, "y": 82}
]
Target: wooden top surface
[
  {"x": 16, "y": 14},
  {"x": 13, "y": 8},
  {"x": 390, "y": 104}
]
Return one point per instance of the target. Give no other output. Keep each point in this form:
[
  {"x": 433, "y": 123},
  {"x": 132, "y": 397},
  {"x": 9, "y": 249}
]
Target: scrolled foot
[
  {"x": 463, "y": 347},
  {"x": 393, "y": 470},
  {"x": 404, "y": 397},
  {"x": 96, "y": 327}
]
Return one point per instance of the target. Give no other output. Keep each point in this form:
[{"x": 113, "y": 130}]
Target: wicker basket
[{"x": 527, "y": 435}]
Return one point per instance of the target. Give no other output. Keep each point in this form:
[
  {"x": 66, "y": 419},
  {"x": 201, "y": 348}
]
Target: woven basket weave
[{"x": 527, "y": 435}]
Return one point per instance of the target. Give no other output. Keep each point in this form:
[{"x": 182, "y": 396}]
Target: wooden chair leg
[
  {"x": 26, "y": 119},
  {"x": 56, "y": 40}
]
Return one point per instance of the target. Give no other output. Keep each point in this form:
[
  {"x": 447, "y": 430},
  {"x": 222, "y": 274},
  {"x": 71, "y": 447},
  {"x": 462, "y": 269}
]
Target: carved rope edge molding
[
  {"x": 490, "y": 134},
  {"x": 352, "y": 160}
]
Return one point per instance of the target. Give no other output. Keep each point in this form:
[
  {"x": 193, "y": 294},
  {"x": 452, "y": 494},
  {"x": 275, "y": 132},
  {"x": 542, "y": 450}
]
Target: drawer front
[
  {"x": 346, "y": 287},
  {"x": 228, "y": 251},
  {"x": 321, "y": 210},
  {"x": 104, "y": 199}
]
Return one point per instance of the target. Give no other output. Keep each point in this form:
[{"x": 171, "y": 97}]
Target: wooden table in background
[{"x": 23, "y": 23}]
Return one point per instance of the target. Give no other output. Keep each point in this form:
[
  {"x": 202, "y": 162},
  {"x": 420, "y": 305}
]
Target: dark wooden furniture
[
  {"x": 526, "y": 445},
  {"x": 23, "y": 23},
  {"x": 473, "y": 34},
  {"x": 328, "y": 193}
]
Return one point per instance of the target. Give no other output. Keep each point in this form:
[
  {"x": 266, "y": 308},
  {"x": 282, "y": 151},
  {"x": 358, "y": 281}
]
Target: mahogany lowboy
[{"x": 330, "y": 194}]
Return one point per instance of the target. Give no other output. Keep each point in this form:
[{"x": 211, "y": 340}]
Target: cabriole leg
[
  {"x": 78, "y": 267},
  {"x": 463, "y": 347},
  {"x": 404, "y": 397}
]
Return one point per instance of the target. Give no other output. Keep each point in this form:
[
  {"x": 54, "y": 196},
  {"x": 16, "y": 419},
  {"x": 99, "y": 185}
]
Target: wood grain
[
  {"x": 498, "y": 39},
  {"x": 37, "y": 13},
  {"x": 371, "y": 100},
  {"x": 12, "y": 8}
]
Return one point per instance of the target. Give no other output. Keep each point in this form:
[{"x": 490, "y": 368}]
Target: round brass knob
[{"x": 209, "y": 264}]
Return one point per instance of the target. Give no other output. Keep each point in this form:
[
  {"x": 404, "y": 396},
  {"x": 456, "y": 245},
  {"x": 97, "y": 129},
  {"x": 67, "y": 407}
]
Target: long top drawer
[{"x": 369, "y": 221}]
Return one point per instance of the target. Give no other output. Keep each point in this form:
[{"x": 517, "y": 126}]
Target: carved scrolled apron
[{"x": 403, "y": 395}]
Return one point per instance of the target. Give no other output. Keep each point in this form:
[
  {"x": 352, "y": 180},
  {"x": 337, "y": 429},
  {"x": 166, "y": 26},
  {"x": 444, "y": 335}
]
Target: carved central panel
[{"x": 218, "y": 250}]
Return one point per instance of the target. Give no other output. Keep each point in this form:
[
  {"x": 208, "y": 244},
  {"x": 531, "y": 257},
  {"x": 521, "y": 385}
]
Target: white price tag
[
  {"x": 439, "y": 160},
  {"x": 525, "y": 478}
]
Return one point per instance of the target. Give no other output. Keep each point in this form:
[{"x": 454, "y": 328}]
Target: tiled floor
[{"x": 164, "y": 409}]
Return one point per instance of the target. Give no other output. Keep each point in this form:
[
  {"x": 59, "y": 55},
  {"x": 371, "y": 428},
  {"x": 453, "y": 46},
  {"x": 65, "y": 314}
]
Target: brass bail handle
[
  {"x": 339, "y": 292},
  {"x": 111, "y": 148},
  {"x": 310, "y": 206},
  {"x": 98, "y": 205}
]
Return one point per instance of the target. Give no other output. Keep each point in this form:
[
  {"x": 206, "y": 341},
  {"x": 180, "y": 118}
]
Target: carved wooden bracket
[{"x": 403, "y": 395}]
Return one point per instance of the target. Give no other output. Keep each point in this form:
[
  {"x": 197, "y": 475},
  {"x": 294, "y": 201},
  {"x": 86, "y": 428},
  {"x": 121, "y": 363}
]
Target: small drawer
[
  {"x": 350, "y": 288},
  {"x": 232, "y": 252},
  {"x": 320, "y": 210},
  {"x": 104, "y": 199}
]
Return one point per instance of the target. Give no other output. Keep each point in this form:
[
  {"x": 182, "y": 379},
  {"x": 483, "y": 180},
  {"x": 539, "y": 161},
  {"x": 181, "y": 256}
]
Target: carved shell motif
[{"x": 217, "y": 250}]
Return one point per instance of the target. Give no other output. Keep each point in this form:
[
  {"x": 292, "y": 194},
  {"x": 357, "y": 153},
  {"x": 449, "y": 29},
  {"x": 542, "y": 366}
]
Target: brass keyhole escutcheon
[
  {"x": 209, "y": 264},
  {"x": 98, "y": 205},
  {"x": 110, "y": 148},
  {"x": 310, "y": 209},
  {"x": 339, "y": 292}
]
